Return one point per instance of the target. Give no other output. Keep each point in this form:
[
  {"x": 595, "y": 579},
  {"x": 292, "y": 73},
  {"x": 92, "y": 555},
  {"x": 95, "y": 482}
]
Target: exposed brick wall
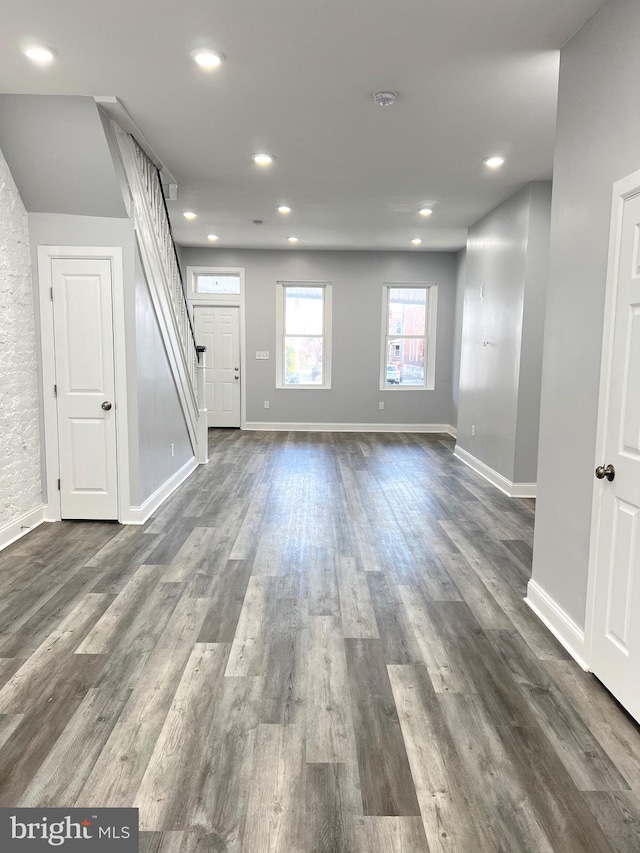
[{"x": 20, "y": 483}]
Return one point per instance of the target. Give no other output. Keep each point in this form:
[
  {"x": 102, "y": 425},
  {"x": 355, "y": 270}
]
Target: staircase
[{"x": 162, "y": 270}]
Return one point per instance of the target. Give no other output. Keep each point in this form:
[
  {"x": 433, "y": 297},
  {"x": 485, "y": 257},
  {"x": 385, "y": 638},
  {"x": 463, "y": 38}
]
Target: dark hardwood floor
[{"x": 318, "y": 644}]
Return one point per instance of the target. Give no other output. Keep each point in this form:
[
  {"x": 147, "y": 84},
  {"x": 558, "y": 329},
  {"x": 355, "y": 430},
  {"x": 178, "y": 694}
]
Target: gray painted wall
[
  {"x": 461, "y": 270},
  {"x": 160, "y": 421},
  {"x": 597, "y": 143},
  {"x": 499, "y": 382},
  {"x": 357, "y": 279},
  {"x": 531, "y": 343},
  {"x": 59, "y": 156}
]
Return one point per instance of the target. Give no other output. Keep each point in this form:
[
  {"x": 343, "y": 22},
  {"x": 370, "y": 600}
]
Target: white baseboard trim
[
  {"x": 561, "y": 625},
  {"x": 20, "y": 526},
  {"x": 453, "y": 432},
  {"x": 140, "y": 514},
  {"x": 266, "y": 426},
  {"x": 513, "y": 490}
]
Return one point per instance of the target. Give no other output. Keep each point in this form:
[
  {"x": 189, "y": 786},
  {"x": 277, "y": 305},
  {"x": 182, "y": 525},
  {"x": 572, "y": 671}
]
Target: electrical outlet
[
  {"x": 262, "y": 355},
  {"x": 266, "y": 404},
  {"x": 173, "y": 449},
  {"x": 473, "y": 430},
  {"x": 381, "y": 405}
]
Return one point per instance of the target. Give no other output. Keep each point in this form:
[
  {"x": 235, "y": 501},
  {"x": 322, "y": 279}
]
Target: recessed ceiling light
[
  {"x": 189, "y": 214},
  {"x": 293, "y": 239},
  {"x": 494, "y": 162},
  {"x": 39, "y": 53},
  {"x": 212, "y": 237},
  {"x": 425, "y": 211},
  {"x": 416, "y": 241},
  {"x": 284, "y": 208},
  {"x": 263, "y": 159},
  {"x": 207, "y": 58}
]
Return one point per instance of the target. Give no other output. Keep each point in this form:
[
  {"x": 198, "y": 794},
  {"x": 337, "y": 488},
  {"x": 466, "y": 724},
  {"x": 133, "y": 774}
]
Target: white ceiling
[{"x": 473, "y": 79}]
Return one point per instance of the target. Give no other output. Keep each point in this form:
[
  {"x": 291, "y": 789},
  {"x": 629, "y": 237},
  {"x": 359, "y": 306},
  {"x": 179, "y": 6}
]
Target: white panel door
[
  {"x": 615, "y": 633},
  {"x": 83, "y": 330},
  {"x": 218, "y": 329}
]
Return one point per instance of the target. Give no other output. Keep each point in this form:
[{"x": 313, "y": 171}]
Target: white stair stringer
[{"x": 157, "y": 254}]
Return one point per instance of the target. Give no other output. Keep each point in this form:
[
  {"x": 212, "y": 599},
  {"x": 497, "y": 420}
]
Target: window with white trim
[
  {"x": 409, "y": 313},
  {"x": 303, "y": 319},
  {"x": 215, "y": 285}
]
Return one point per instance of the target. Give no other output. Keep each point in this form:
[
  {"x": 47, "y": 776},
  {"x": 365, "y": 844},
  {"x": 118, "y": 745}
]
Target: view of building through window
[
  {"x": 406, "y": 335},
  {"x": 303, "y": 335}
]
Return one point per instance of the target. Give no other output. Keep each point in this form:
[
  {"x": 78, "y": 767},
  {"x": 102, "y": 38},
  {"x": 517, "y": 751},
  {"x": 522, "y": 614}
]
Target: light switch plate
[{"x": 262, "y": 355}]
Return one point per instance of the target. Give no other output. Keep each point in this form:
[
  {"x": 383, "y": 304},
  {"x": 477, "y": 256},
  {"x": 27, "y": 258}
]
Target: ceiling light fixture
[
  {"x": 494, "y": 162},
  {"x": 416, "y": 241},
  {"x": 212, "y": 237},
  {"x": 293, "y": 239},
  {"x": 39, "y": 53},
  {"x": 425, "y": 211},
  {"x": 189, "y": 214},
  {"x": 206, "y": 58},
  {"x": 384, "y": 98},
  {"x": 263, "y": 159},
  {"x": 284, "y": 209}
]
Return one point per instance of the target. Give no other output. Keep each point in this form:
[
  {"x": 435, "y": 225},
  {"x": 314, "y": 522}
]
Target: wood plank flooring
[{"x": 317, "y": 645}]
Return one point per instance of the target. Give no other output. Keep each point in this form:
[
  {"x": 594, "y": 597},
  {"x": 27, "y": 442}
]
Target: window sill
[
  {"x": 303, "y": 387},
  {"x": 407, "y": 388}
]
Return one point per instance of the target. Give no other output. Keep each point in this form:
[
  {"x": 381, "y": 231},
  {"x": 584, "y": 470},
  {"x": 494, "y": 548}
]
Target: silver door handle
[
  {"x": 609, "y": 472},
  {"x": 106, "y": 406}
]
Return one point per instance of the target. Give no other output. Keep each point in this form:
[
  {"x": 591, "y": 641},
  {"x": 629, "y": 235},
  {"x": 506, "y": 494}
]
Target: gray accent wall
[
  {"x": 160, "y": 421},
  {"x": 505, "y": 280},
  {"x": 357, "y": 279},
  {"x": 461, "y": 271},
  {"x": 598, "y": 142}
]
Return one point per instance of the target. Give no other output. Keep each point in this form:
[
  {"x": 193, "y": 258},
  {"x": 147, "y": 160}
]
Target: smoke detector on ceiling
[{"x": 384, "y": 98}]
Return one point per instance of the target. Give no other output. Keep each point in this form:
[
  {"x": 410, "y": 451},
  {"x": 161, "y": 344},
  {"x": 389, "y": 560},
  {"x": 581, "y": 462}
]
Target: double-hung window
[
  {"x": 409, "y": 313},
  {"x": 304, "y": 335}
]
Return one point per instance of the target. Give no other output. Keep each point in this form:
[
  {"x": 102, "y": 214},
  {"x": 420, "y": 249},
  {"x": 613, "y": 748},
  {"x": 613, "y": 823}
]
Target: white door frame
[
  {"x": 46, "y": 254},
  {"x": 622, "y": 190},
  {"x": 213, "y": 301}
]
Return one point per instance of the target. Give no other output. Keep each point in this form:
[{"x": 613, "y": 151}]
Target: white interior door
[
  {"x": 218, "y": 328},
  {"x": 85, "y": 380},
  {"x": 615, "y": 632}
]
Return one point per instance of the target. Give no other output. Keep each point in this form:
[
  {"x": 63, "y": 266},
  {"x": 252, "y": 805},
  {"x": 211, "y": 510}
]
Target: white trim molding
[
  {"x": 330, "y": 427},
  {"x": 14, "y": 529},
  {"x": 512, "y": 490},
  {"x": 558, "y": 621},
  {"x": 141, "y": 514}
]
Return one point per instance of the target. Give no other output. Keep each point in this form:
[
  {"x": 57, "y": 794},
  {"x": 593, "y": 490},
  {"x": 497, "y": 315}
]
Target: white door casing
[
  {"x": 218, "y": 328},
  {"x": 613, "y": 618},
  {"x": 85, "y": 379}
]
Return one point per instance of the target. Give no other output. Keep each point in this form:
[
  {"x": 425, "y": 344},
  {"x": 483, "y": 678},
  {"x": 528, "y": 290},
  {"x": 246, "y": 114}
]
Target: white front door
[
  {"x": 218, "y": 328},
  {"x": 85, "y": 380},
  {"x": 615, "y": 628}
]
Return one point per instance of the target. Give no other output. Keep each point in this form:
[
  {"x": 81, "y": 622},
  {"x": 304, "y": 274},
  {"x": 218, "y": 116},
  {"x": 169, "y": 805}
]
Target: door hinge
[
  {"x": 55, "y": 390},
  {"x": 58, "y": 483},
  {"x": 51, "y": 293}
]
